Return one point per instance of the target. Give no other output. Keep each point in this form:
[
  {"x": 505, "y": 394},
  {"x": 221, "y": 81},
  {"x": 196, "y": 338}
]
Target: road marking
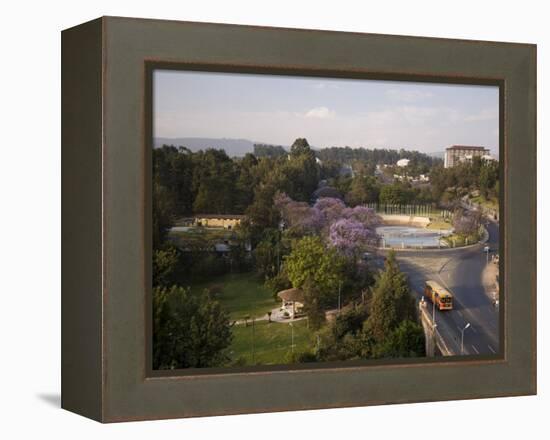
[
  {"x": 491, "y": 348},
  {"x": 475, "y": 349}
]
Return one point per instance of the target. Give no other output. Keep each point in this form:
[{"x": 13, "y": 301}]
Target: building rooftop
[
  {"x": 221, "y": 216},
  {"x": 293, "y": 294},
  {"x": 466, "y": 147}
]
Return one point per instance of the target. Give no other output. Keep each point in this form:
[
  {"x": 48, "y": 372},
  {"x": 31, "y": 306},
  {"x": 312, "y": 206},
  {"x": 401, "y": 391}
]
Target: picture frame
[{"x": 106, "y": 218}]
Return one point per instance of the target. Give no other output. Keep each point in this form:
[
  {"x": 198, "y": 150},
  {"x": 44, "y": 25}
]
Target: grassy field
[
  {"x": 240, "y": 294},
  {"x": 199, "y": 236},
  {"x": 272, "y": 342},
  {"x": 439, "y": 223}
]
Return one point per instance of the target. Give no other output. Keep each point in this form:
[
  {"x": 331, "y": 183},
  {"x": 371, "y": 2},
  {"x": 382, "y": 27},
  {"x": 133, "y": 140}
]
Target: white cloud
[
  {"x": 487, "y": 114},
  {"x": 325, "y": 85},
  {"x": 407, "y": 95},
  {"x": 320, "y": 113}
]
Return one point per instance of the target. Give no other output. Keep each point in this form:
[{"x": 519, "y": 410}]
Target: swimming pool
[{"x": 410, "y": 236}]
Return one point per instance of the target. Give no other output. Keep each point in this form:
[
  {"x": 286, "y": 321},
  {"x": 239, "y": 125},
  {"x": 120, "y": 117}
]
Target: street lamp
[
  {"x": 462, "y": 338},
  {"x": 292, "y": 337}
]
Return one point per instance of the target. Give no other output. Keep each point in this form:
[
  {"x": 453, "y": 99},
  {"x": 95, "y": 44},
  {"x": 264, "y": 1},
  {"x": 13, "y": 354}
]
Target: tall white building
[{"x": 464, "y": 153}]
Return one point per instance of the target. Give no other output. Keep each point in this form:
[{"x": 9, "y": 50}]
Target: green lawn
[
  {"x": 272, "y": 342},
  {"x": 199, "y": 236},
  {"x": 439, "y": 223},
  {"x": 240, "y": 294}
]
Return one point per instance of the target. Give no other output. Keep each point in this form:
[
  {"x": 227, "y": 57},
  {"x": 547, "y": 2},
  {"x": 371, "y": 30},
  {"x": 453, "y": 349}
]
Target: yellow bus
[{"x": 438, "y": 295}]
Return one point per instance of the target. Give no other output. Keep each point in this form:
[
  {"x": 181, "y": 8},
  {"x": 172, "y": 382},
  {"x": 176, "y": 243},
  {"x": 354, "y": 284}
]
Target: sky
[{"x": 328, "y": 112}]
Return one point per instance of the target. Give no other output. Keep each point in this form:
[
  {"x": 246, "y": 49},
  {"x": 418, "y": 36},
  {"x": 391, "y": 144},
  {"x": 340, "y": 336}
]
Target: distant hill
[{"x": 233, "y": 147}]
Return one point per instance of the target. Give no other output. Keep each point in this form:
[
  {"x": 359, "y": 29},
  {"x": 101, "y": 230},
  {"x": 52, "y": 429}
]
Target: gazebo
[{"x": 292, "y": 301}]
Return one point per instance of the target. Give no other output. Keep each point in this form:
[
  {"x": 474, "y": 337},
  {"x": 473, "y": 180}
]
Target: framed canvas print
[{"x": 263, "y": 219}]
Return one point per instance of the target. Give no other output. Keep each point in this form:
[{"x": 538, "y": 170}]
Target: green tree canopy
[
  {"x": 395, "y": 194},
  {"x": 364, "y": 189},
  {"x": 188, "y": 330},
  {"x": 392, "y": 301},
  {"x": 311, "y": 261},
  {"x": 407, "y": 340}
]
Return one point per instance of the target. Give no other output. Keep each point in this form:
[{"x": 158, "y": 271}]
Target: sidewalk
[{"x": 489, "y": 279}]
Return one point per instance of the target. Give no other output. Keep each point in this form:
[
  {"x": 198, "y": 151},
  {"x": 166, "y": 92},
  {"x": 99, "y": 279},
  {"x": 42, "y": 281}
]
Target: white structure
[
  {"x": 403, "y": 162},
  {"x": 464, "y": 153}
]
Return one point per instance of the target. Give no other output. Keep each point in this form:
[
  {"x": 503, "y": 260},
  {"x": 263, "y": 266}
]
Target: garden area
[
  {"x": 269, "y": 342},
  {"x": 240, "y": 294}
]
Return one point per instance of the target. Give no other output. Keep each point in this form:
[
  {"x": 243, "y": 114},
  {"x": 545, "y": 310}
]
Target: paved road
[{"x": 459, "y": 270}]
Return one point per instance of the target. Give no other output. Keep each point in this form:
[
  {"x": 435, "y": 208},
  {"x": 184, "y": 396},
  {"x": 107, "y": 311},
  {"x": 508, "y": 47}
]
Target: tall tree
[
  {"x": 392, "y": 301},
  {"x": 214, "y": 182},
  {"x": 311, "y": 261},
  {"x": 396, "y": 194},
  {"x": 364, "y": 189}
]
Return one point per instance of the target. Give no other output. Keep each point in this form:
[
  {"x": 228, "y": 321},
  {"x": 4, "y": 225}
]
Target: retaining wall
[{"x": 404, "y": 220}]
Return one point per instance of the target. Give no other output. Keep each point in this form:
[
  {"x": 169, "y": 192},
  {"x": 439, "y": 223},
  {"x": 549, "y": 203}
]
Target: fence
[{"x": 422, "y": 210}]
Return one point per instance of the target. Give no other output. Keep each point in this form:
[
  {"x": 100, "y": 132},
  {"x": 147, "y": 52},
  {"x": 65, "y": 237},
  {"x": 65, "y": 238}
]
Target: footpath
[{"x": 489, "y": 279}]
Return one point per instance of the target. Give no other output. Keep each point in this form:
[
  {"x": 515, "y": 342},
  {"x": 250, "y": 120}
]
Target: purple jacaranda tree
[
  {"x": 330, "y": 208},
  {"x": 349, "y": 236},
  {"x": 362, "y": 214},
  {"x": 346, "y": 229},
  {"x": 298, "y": 216}
]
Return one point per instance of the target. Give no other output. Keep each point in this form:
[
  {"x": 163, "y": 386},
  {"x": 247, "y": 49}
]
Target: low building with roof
[{"x": 225, "y": 221}]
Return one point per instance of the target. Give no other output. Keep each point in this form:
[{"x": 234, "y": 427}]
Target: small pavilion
[{"x": 292, "y": 301}]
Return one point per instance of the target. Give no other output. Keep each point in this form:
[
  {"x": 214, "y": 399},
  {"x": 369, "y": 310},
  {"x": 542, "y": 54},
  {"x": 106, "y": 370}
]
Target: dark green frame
[{"x": 106, "y": 170}]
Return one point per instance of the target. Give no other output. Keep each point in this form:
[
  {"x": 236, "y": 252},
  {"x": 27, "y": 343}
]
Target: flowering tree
[
  {"x": 347, "y": 230},
  {"x": 298, "y": 216},
  {"x": 330, "y": 208},
  {"x": 349, "y": 236},
  {"x": 364, "y": 215}
]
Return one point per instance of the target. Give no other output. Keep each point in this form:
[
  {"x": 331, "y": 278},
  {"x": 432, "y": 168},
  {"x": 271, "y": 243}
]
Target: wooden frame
[{"x": 106, "y": 129}]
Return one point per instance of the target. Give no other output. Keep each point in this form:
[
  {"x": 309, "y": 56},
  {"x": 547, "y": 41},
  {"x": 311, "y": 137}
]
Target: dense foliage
[
  {"x": 188, "y": 330},
  {"x": 369, "y": 158},
  {"x": 305, "y": 225},
  {"x": 266, "y": 150}
]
